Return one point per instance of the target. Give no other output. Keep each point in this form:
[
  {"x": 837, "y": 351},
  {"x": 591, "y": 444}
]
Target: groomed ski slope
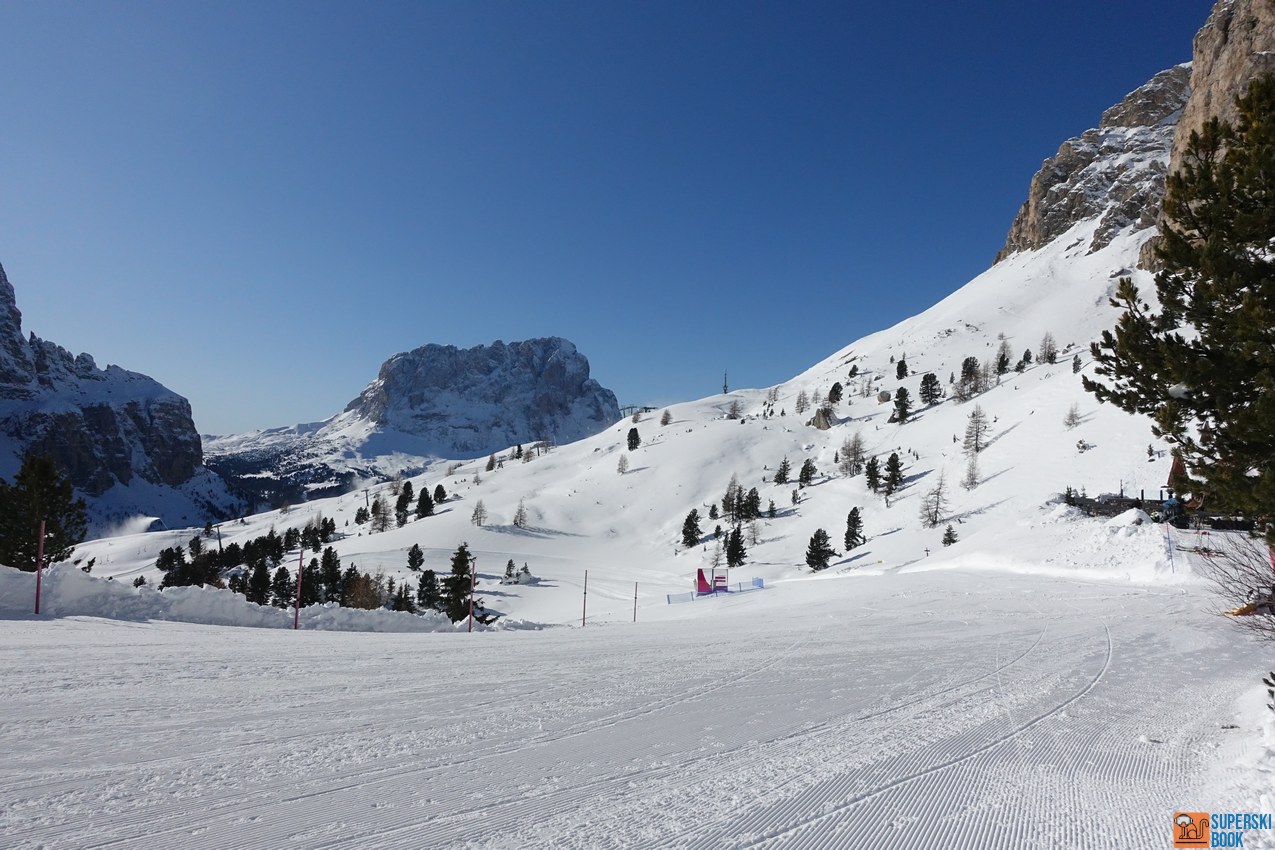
[{"x": 914, "y": 709}]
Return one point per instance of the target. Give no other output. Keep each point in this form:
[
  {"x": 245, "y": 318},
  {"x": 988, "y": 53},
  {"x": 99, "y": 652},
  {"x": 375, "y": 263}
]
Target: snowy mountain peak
[
  {"x": 481, "y": 399},
  {"x": 1113, "y": 174},
  {"x": 126, "y": 441},
  {"x": 432, "y": 402}
]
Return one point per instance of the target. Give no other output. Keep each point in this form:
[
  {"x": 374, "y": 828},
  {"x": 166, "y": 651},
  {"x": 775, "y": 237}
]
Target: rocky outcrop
[
  {"x": 436, "y": 401},
  {"x": 1114, "y": 173},
  {"x": 482, "y": 399},
  {"x": 1236, "y": 44},
  {"x": 102, "y": 426}
]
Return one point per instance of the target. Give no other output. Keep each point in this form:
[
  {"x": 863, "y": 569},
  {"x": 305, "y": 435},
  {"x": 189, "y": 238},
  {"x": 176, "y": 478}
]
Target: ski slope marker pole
[
  {"x": 39, "y": 566},
  {"x": 296, "y": 616},
  {"x": 635, "y": 601},
  {"x": 584, "y": 605}
]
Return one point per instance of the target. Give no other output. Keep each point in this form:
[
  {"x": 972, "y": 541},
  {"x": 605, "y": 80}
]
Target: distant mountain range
[{"x": 436, "y": 401}]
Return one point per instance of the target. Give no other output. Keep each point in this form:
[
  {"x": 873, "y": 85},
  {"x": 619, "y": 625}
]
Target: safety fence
[{"x": 724, "y": 590}]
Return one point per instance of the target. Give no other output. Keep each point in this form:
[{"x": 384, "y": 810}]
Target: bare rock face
[
  {"x": 1114, "y": 173},
  {"x": 101, "y": 425},
  {"x": 1235, "y": 45},
  {"x": 482, "y": 399}
]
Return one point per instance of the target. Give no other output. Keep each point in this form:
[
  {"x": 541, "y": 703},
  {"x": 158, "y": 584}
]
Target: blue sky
[{"x": 258, "y": 203}]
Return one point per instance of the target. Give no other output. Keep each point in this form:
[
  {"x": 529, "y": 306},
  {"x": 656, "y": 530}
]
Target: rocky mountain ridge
[
  {"x": 436, "y": 401},
  {"x": 124, "y": 439},
  {"x": 1114, "y": 172}
]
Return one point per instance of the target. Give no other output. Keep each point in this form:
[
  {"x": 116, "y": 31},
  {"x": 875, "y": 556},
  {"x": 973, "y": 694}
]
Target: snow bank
[
  {"x": 1061, "y": 541},
  {"x": 70, "y": 592},
  {"x": 1133, "y": 516}
]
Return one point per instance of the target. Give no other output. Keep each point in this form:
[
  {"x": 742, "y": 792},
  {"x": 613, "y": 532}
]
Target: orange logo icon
[{"x": 1191, "y": 829}]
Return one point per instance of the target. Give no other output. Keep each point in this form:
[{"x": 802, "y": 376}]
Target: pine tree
[
  {"x": 976, "y": 431},
  {"x": 402, "y": 505},
  {"x": 1210, "y": 392},
  {"x": 360, "y": 516},
  {"x": 330, "y": 570},
  {"x": 622, "y": 466},
  {"x": 802, "y": 403},
  {"x": 311, "y": 584},
  {"x": 634, "y": 439},
  {"x": 479, "y": 515},
  {"x": 510, "y": 572},
  {"x": 782, "y": 473},
  {"x": 949, "y": 536},
  {"x": 834, "y": 394},
  {"x": 1076, "y": 365},
  {"x": 820, "y": 551},
  {"x": 901, "y": 370},
  {"x": 440, "y": 495},
  {"x": 282, "y": 590},
  {"x": 258, "y": 590},
  {"x": 520, "y": 515},
  {"x": 39, "y": 492},
  {"x": 902, "y": 404},
  {"x": 690, "y": 529},
  {"x": 380, "y": 515},
  {"x": 931, "y": 392},
  {"x": 807, "y": 474},
  {"x": 872, "y": 474},
  {"x": 893, "y": 479},
  {"x": 424, "y": 504},
  {"x": 427, "y": 593},
  {"x": 456, "y": 587},
  {"x": 403, "y": 601},
  {"x": 415, "y": 557},
  {"x": 736, "y": 554},
  {"x": 854, "y": 530},
  {"x": 491, "y": 462},
  {"x": 665, "y": 418}
]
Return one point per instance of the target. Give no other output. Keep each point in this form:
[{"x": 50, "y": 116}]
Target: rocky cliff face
[
  {"x": 1236, "y": 44},
  {"x": 1114, "y": 173},
  {"x": 437, "y": 401},
  {"x": 104, "y": 427},
  {"x": 478, "y": 400}
]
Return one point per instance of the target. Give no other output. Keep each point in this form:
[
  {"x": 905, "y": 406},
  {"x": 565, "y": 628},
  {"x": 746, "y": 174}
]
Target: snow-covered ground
[
  {"x": 1049, "y": 680},
  {"x": 913, "y": 708}
]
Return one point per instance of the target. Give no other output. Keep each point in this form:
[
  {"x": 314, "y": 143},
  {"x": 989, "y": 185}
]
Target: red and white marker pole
[
  {"x": 39, "y": 566},
  {"x": 296, "y": 616}
]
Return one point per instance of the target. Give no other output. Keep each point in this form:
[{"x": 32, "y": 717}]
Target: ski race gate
[{"x": 710, "y": 583}]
